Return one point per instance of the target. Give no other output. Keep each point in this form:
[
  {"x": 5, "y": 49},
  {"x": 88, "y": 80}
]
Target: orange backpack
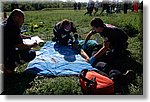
[{"x": 95, "y": 82}]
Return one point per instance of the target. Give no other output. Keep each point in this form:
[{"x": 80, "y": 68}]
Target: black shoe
[{"x": 129, "y": 76}]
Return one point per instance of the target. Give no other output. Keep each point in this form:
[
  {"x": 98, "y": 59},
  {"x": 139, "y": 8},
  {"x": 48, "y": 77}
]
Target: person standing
[
  {"x": 96, "y": 7},
  {"x": 125, "y": 7},
  {"x": 105, "y": 6},
  {"x": 90, "y": 7},
  {"x": 75, "y": 6},
  {"x": 79, "y": 6}
]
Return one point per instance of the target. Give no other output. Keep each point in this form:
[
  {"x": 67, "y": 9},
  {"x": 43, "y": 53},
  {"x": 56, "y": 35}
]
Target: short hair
[
  {"x": 16, "y": 12},
  {"x": 65, "y": 22},
  {"x": 97, "y": 22}
]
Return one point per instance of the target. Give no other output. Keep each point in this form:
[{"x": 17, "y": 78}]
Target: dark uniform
[
  {"x": 118, "y": 44},
  {"x": 117, "y": 38},
  {"x": 105, "y": 6},
  {"x": 12, "y": 37},
  {"x": 62, "y": 36}
]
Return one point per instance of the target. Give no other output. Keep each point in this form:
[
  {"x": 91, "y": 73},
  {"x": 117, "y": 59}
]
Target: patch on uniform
[{"x": 105, "y": 39}]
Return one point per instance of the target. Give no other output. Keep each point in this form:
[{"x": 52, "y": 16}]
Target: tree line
[{"x": 31, "y": 6}]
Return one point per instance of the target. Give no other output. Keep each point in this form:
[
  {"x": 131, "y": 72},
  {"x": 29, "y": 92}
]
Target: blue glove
[
  {"x": 75, "y": 36},
  {"x": 76, "y": 42},
  {"x": 84, "y": 46},
  {"x": 70, "y": 42},
  {"x": 92, "y": 60}
]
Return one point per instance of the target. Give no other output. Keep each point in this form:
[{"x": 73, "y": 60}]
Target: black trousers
[{"x": 11, "y": 60}]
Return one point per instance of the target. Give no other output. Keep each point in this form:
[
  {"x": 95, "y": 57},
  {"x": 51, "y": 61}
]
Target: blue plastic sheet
[{"x": 57, "y": 60}]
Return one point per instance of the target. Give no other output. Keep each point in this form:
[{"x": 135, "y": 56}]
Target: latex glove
[
  {"x": 75, "y": 36},
  {"x": 92, "y": 60},
  {"x": 76, "y": 42}
]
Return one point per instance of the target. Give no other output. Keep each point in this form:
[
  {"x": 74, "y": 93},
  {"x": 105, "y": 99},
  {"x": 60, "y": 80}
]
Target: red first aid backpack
[{"x": 95, "y": 82}]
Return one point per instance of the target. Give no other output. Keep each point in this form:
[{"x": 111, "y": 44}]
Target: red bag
[{"x": 96, "y": 83}]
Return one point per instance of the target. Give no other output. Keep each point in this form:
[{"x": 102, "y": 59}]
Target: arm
[
  {"x": 102, "y": 50},
  {"x": 57, "y": 31},
  {"x": 84, "y": 55},
  {"x": 25, "y": 37},
  {"x": 74, "y": 30},
  {"x": 88, "y": 37},
  {"x": 26, "y": 46}
]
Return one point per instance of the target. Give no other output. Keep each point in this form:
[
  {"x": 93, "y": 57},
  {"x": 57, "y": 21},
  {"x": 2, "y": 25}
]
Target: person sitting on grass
[
  {"x": 62, "y": 33},
  {"x": 114, "y": 44},
  {"x": 14, "y": 48}
]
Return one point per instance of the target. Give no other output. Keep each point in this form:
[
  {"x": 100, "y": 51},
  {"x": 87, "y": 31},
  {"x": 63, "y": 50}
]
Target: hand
[
  {"x": 25, "y": 37},
  {"x": 75, "y": 46},
  {"x": 87, "y": 60},
  {"x": 92, "y": 60},
  {"x": 92, "y": 32},
  {"x": 35, "y": 44},
  {"x": 28, "y": 37},
  {"x": 76, "y": 42}
]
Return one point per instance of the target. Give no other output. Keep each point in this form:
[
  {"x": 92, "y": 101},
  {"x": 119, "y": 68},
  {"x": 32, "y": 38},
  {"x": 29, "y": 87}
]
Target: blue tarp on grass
[{"x": 57, "y": 60}]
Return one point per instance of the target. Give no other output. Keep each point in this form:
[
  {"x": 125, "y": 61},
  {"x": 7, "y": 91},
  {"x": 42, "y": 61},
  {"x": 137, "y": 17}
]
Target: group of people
[
  {"x": 91, "y": 6},
  {"x": 77, "y": 6},
  {"x": 114, "y": 45},
  {"x": 114, "y": 42}
]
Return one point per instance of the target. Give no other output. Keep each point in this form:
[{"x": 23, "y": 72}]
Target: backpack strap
[
  {"x": 88, "y": 82},
  {"x": 83, "y": 74}
]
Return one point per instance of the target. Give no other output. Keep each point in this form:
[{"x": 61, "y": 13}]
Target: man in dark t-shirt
[
  {"x": 115, "y": 39},
  {"x": 14, "y": 48},
  {"x": 114, "y": 42},
  {"x": 62, "y": 32}
]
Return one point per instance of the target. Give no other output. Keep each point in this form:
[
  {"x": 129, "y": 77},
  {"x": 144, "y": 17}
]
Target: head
[
  {"x": 17, "y": 16},
  {"x": 97, "y": 25},
  {"x": 66, "y": 25}
]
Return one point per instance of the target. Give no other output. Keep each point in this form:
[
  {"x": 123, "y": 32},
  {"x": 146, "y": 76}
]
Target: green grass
[{"x": 131, "y": 22}]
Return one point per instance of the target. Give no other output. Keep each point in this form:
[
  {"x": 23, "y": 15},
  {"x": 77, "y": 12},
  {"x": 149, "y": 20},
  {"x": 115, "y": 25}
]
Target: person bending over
[
  {"x": 62, "y": 33},
  {"x": 114, "y": 40}
]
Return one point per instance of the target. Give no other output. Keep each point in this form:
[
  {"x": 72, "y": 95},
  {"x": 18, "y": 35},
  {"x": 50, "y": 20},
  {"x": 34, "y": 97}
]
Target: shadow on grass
[
  {"x": 128, "y": 63},
  {"x": 16, "y": 83}
]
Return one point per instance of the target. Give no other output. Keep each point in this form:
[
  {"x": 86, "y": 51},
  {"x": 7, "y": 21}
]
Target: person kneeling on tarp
[{"x": 62, "y": 33}]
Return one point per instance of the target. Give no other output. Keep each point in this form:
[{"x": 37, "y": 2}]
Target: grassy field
[{"x": 39, "y": 85}]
